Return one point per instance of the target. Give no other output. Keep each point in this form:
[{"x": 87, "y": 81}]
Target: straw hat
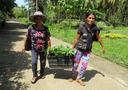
[{"x": 37, "y": 13}]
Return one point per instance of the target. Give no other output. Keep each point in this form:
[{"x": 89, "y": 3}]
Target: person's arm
[
  {"x": 79, "y": 32},
  {"x": 49, "y": 42},
  {"x": 100, "y": 41},
  {"x": 48, "y": 38},
  {"x": 76, "y": 40}
]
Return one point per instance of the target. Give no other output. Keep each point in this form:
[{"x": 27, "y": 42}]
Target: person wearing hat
[{"x": 40, "y": 41}]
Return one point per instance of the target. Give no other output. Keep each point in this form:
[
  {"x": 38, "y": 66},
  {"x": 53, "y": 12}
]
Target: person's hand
[
  {"x": 103, "y": 50},
  {"x": 49, "y": 48},
  {"x": 74, "y": 49}
]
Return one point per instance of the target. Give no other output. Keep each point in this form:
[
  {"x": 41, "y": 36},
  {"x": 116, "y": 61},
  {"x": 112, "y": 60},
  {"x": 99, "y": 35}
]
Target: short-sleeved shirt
[
  {"x": 39, "y": 38},
  {"x": 86, "y": 37}
]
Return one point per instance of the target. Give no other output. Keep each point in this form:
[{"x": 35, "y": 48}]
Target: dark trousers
[{"x": 35, "y": 56}]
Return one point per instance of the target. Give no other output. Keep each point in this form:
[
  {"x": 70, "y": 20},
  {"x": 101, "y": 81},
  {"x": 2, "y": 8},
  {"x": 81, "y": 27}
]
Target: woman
[
  {"x": 87, "y": 33},
  {"x": 40, "y": 41}
]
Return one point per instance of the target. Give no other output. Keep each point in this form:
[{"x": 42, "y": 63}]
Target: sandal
[
  {"x": 42, "y": 76},
  {"x": 34, "y": 79},
  {"x": 80, "y": 82}
]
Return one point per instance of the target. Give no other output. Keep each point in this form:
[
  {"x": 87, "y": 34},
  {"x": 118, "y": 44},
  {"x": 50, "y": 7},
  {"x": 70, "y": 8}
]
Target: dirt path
[{"x": 15, "y": 68}]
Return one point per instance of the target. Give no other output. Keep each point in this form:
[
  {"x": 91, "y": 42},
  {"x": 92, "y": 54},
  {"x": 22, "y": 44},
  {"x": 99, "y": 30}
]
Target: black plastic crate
[{"x": 59, "y": 62}]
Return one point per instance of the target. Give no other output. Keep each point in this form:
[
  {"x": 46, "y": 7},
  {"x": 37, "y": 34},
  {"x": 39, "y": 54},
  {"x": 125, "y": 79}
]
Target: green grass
[
  {"x": 65, "y": 33},
  {"x": 116, "y": 49},
  {"x": 24, "y": 20}
]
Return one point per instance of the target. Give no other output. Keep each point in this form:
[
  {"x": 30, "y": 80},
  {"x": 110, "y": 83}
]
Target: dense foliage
[
  {"x": 113, "y": 12},
  {"x": 6, "y": 6}
]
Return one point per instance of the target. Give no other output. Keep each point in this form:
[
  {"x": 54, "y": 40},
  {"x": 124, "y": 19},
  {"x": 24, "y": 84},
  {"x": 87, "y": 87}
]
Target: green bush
[{"x": 24, "y": 20}]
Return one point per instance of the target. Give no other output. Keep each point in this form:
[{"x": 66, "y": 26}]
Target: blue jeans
[{"x": 35, "y": 56}]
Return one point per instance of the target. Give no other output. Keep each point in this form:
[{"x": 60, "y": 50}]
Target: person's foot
[
  {"x": 82, "y": 83},
  {"x": 34, "y": 79},
  {"x": 41, "y": 76}
]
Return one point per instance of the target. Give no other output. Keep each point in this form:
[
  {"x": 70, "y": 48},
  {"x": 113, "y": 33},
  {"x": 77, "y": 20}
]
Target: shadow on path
[
  {"x": 11, "y": 25},
  {"x": 12, "y": 63},
  {"x": 66, "y": 74},
  {"x": 89, "y": 74}
]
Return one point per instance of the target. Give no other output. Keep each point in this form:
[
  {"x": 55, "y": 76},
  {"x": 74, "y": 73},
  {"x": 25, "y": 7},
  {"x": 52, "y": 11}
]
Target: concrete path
[{"x": 15, "y": 68}]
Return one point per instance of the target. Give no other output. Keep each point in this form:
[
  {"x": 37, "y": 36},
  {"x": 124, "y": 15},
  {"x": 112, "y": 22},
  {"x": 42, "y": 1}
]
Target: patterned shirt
[{"x": 39, "y": 38}]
